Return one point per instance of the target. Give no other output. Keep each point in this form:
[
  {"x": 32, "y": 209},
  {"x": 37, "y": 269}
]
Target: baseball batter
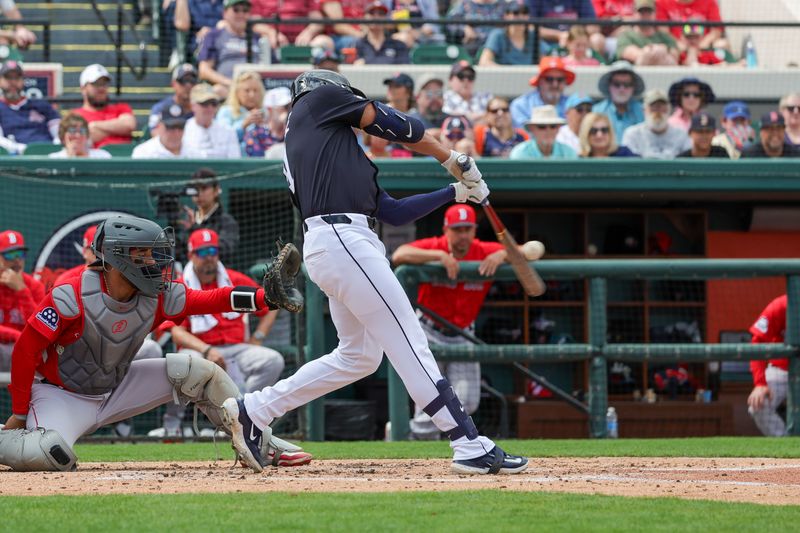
[
  {"x": 334, "y": 186},
  {"x": 770, "y": 378},
  {"x": 72, "y": 367},
  {"x": 458, "y": 303}
]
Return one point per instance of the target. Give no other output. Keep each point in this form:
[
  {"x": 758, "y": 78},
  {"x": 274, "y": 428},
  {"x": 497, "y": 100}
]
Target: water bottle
[
  {"x": 13, "y": 148},
  {"x": 750, "y": 56},
  {"x": 612, "y": 425},
  {"x": 264, "y": 51}
]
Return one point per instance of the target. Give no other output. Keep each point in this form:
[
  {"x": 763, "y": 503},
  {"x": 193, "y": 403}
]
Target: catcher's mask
[
  {"x": 151, "y": 272},
  {"x": 314, "y": 79}
]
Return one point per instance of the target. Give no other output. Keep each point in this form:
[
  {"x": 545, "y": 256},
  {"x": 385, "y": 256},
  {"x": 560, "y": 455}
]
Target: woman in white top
[{"x": 74, "y": 134}]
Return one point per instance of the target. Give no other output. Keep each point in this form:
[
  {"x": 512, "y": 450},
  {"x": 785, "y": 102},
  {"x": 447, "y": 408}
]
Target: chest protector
[{"x": 112, "y": 334}]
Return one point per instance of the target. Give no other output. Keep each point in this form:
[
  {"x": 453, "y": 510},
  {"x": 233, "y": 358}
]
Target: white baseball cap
[
  {"x": 94, "y": 72},
  {"x": 277, "y": 97}
]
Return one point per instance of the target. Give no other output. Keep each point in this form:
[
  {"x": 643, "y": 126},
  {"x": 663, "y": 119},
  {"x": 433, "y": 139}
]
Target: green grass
[
  {"x": 698, "y": 447},
  {"x": 480, "y": 511}
]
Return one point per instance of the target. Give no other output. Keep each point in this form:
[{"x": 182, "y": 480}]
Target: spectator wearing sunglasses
[
  {"x": 597, "y": 138},
  {"x": 688, "y": 97},
  {"x": 184, "y": 77},
  {"x": 74, "y": 135},
  {"x": 691, "y": 11},
  {"x": 19, "y": 293},
  {"x": 549, "y": 84},
  {"x": 461, "y": 98},
  {"x": 210, "y": 214},
  {"x": 222, "y": 338},
  {"x": 498, "y": 136},
  {"x": 694, "y": 55},
  {"x": 167, "y": 140},
  {"x": 225, "y": 46},
  {"x": 511, "y": 45},
  {"x": 543, "y": 127},
  {"x": 790, "y": 109},
  {"x": 578, "y": 106},
  {"x": 702, "y": 132},
  {"x": 429, "y": 103},
  {"x": 204, "y": 137},
  {"x": 622, "y": 87}
]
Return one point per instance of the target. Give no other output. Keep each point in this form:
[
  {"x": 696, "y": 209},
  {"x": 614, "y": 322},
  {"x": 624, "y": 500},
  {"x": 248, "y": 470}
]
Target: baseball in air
[{"x": 533, "y": 250}]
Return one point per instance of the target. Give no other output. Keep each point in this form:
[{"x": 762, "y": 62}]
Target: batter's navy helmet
[
  {"x": 113, "y": 242},
  {"x": 313, "y": 79}
]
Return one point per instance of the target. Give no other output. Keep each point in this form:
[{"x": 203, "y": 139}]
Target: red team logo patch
[{"x": 119, "y": 326}]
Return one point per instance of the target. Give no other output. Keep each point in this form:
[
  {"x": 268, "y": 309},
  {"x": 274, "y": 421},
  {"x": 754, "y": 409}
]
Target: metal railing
[
  {"x": 596, "y": 350},
  {"x": 535, "y": 25},
  {"x": 118, "y": 41},
  {"x": 45, "y": 24}
]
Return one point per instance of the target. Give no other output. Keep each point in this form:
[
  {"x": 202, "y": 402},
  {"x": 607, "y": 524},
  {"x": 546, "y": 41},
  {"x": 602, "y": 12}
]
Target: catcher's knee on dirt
[
  {"x": 202, "y": 382},
  {"x": 447, "y": 398},
  {"x": 36, "y": 451}
]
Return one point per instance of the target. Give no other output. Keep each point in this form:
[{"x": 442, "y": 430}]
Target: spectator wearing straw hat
[
  {"x": 655, "y": 138},
  {"x": 543, "y": 127},
  {"x": 622, "y": 87},
  {"x": 549, "y": 84}
]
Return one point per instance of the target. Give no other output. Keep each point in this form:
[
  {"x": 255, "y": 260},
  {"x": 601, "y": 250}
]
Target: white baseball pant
[
  {"x": 372, "y": 315},
  {"x": 767, "y": 419}
]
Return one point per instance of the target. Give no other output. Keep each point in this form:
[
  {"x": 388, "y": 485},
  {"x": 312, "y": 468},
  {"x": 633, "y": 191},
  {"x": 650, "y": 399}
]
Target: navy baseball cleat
[
  {"x": 495, "y": 462},
  {"x": 245, "y": 436}
]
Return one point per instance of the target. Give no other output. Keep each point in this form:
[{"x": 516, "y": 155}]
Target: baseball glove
[{"x": 279, "y": 280}]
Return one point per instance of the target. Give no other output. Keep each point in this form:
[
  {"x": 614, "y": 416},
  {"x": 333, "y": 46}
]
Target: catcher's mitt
[{"x": 279, "y": 280}]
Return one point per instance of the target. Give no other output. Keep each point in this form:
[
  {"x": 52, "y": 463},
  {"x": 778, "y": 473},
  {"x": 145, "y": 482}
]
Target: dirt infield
[{"x": 768, "y": 481}]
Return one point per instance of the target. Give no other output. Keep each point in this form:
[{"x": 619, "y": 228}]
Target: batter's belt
[{"x": 358, "y": 219}]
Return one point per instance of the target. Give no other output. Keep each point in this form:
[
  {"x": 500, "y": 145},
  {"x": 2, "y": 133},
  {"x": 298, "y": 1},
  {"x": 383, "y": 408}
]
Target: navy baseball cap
[
  {"x": 183, "y": 71},
  {"x": 455, "y": 127},
  {"x": 703, "y": 121},
  {"x": 773, "y": 118},
  {"x": 736, "y": 109},
  {"x": 399, "y": 78},
  {"x": 324, "y": 54},
  {"x": 11, "y": 66}
]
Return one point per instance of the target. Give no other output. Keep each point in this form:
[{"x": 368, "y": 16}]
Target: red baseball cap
[
  {"x": 203, "y": 238},
  {"x": 88, "y": 236},
  {"x": 11, "y": 240},
  {"x": 549, "y": 63},
  {"x": 459, "y": 215}
]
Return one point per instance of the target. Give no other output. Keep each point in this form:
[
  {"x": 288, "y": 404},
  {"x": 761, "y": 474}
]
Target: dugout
[{"x": 603, "y": 209}]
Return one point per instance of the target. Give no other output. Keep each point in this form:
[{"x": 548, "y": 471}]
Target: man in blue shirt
[
  {"x": 550, "y": 82},
  {"x": 621, "y": 87},
  {"x": 197, "y": 17},
  {"x": 24, "y": 120},
  {"x": 552, "y": 34}
]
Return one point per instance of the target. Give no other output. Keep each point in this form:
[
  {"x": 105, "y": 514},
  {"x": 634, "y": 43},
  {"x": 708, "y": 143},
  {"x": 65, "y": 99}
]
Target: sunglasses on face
[
  {"x": 188, "y": 81},
  {"x": 431, "y": 93},
  {"x": 77, "y": 130},
  {"x": 547, "y": 126},
  {"x": 692, "y": 94},
  {"x": 241, "y": 9},
  {"x": 210, "y": 103},
  {"x": 14, "y": 254},
  {"x": 466, "y": 77},
  {"x": 555, "y": 79},
  {"x": 498, "y": 110},
  {"x": 621, "y": 85},
  {"x": 100, "y": 84},
  {"x": 792, "y": 108},
  {"x": 209, "y": 251},
  {"x": 583, "y": 108},
  {"x": 174, "y": 127},
  {"x": 605, "y": 130}
]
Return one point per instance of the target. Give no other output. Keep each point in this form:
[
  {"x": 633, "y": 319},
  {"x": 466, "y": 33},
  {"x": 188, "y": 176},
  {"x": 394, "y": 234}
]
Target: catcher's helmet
[
  {"x": 113, "y": 242},
  {"x": 313, "y": 79}
]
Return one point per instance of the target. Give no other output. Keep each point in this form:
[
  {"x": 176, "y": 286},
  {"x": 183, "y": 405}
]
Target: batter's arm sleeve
[{"x": 27, "y": 355}]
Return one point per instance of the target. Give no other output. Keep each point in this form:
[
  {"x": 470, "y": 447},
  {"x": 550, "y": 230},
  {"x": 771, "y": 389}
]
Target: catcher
[{"x": 82, "y": 338}]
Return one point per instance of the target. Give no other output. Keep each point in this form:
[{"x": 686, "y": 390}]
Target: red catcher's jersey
[
  {"x": 769, "y": 327},
  {"x": 459, "y": 303},
  {"x": 17, "y": 306}
]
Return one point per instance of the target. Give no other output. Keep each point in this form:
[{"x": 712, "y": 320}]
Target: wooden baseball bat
[{"x": 527, "y": 276}]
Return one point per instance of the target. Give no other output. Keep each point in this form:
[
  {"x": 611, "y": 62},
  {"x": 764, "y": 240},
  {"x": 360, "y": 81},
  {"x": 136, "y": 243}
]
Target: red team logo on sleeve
[{"x": 49, "y": 317}]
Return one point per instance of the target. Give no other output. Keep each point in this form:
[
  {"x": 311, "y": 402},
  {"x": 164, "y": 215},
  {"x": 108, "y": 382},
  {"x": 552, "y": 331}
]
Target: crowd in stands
[{"x": 213, "y": 113}]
